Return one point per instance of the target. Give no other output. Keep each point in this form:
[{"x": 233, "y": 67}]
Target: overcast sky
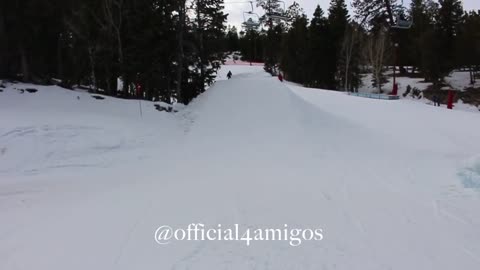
[{"x": 235, "y": 8}]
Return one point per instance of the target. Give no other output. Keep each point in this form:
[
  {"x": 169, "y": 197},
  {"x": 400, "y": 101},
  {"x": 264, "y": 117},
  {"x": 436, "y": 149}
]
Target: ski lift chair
[
  {"x": 402, "y": 24},
  {"x": 278, "y": 15},
  {"x": 251, "y": 20}
]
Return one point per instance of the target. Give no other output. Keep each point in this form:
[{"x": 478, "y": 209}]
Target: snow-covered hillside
[
  {"x": 457, "y": 80},
  {"x": 84, "y": 183}
]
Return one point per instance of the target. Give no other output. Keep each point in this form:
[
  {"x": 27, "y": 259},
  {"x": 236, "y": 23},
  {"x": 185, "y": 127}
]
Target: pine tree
[
  {"x": 275, "y": 30},
  {"x": 378, "y": 13},
  {"x": 153, "y": 36},
  {"x": 338, "y": 18},
  {"x": 376, "y": 51},
  {"x": 337, "y": 24},
  {"x": 29, "y": 37},
  {"x": 208, "y": 27},
  {"x": 431, "y": 59},
  {"x": 318, "y": 46},
  {"x": 272, "y": 48},
  {"x": 348, "y": 75},
  {"x": 148, "y": 43},
  {"x": 251, "y": 46},
  {"x": 232, "y": 39},
  {"x": 468, "y": 47},
  {"x": 448, "y": 24},
  {"x": 293, "y": 12},
  {"x": 422, "y": 13},
  {"x": 438, "y": 44},
  {"x": 181, "y": 66},
  {"x": 295, "y": 49}
]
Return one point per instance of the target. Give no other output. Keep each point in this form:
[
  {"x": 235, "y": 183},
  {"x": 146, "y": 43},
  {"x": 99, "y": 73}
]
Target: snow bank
[
  {"x": 403, "y": 83},
  {"x": 59, "y": 129},
  {"x": 404, "y": 120},
  {"x": 460, "y": 80}
]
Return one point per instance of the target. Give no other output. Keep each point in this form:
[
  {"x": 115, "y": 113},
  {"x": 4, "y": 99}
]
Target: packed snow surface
[{"x": 84, "y": 183}]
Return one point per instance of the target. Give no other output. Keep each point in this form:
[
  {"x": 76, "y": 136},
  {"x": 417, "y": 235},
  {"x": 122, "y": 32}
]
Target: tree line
[
  {"x": 171, "y": 49},
  {"x": 159, "y": 49},
  {"x": 332, "y": 51}
]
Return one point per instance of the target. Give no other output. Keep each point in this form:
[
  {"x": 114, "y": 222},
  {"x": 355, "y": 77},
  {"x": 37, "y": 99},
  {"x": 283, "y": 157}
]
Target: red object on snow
[
  {"x": 139, "y": 89},
  {"x": 451, "y": 95},
  {"x": 395, "y": 90},
  {"x": 280, "y": 77}
]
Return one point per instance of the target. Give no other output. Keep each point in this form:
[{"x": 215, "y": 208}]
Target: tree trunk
[
  {"x": 60, "y": 73},
  {"x": 472, "y": 76},
  {"x": 91, "y": 56},
  {"x": 3, "y": 47},
  {"x": 108, "y": 81},
  {"x": 120, "y": 57},
  {"x": 24, "y": 63},
  {"x": 201, "y": 47},
  {"x": 180, "y": 53},
  {"x": 389, "y": 11},
  {"x": 346, "y": 77}
]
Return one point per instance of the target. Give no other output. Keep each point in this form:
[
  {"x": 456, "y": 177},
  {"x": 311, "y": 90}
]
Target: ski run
[{"x": 84, "y": 183}]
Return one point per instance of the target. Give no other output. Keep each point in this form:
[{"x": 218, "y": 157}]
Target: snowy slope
[
  {"x": 393, "y": 184},
  {"x": 72, "y": 129}
]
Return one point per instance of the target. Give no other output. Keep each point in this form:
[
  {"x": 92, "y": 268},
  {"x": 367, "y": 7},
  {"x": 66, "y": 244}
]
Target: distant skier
[
  {"x": 280, "y": 77},
  {"x": 229, "y": 75},
  {"x": 436, "y": 100}
]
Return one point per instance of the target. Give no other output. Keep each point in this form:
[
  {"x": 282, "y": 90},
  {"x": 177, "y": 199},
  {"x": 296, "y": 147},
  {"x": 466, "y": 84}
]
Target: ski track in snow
[{"x": 251, "y": 151}]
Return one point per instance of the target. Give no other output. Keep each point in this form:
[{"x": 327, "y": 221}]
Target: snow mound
[{"x": 470, "y": 174}]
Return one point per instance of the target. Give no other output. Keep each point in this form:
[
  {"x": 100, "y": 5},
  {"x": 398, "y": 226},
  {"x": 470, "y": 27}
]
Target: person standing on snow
[
  {"x": 436, "y": 101},
  {"x": 229, "y": 74},
  {"x": 280, "y": 77}
]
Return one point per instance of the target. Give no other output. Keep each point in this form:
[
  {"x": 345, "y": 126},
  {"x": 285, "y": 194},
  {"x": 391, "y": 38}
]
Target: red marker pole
[
  {"x": 395, "y": 89},
  {"x": 451, "y": 95}
]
